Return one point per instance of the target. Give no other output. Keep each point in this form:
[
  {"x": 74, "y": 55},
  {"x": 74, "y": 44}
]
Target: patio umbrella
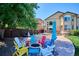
[{"x": 54, "y": 35}]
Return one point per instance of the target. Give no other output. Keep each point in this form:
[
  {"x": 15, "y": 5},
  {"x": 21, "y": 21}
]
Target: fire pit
[{"x": 35, "y": 45}]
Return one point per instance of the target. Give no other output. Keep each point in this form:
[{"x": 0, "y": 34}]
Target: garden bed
[{"x": 75, "y": 40}]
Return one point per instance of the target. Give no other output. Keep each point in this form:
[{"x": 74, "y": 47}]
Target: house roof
[
  {"x": 39, "y": 19},
  {"x": 54, "y": 14},
  {"x": 71, "y": 13},
  {"x": 62, "y": 13}
]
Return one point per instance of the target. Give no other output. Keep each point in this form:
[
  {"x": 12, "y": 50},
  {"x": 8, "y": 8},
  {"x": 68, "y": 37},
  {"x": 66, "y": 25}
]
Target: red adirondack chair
[{"x": 42, "y": 41}]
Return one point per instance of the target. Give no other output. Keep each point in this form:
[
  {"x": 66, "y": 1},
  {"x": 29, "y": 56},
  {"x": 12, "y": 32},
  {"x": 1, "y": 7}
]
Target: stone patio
[{"x": 64, "y": 47}]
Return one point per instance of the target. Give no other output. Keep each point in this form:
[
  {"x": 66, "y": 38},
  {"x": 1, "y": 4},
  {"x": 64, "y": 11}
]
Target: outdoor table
[
  {"x": 35, "y": 45},
  {"x": 34, "y": 50}
]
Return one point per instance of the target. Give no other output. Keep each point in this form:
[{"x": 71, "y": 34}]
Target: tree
[{"x": 13, "y": 15}]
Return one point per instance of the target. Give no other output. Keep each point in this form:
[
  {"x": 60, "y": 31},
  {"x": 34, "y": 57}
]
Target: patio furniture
[
  {"x": 47, "y": 51},
  {"x": 34, "y": 50},
  {"x": 27, "y": 43},
  {"x": 47, "y": 43},
  {"x": 33, "y": 39},
  {"x": 37, "y": 37},
  {"x": 42, "y": 41},
  {"x": 35, "y": 45},
  {"x": 54, "y": 35},
  {"x": 20, "y": 48}
]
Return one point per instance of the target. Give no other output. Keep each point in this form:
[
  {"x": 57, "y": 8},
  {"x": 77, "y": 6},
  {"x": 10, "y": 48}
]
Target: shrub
[{"x": 74, "y": 32}]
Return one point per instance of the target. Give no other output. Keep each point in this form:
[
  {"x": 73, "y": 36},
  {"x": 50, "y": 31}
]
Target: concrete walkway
[{"x": 64, "y": 46}]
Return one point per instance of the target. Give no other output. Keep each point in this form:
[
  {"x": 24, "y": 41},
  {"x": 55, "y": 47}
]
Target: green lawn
[{"x": 75, "y": 40}]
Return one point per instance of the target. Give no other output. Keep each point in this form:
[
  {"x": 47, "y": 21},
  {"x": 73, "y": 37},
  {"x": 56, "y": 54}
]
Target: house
[
  {"x": 64, "y": 22},
  {"x": 40, "y": 25}
]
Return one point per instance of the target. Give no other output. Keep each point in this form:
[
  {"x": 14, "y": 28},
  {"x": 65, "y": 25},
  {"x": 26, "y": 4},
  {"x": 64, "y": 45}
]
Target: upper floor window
[
  {"x": 47, "y": 23},
  {"x": 72, "y": 19},
  {"x": 78, "y": 20},
  {"x": 50, "y": 23},
  {"x": 67, "y": 18}
]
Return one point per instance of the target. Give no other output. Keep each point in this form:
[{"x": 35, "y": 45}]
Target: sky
[{"x": 47, "y": 9}]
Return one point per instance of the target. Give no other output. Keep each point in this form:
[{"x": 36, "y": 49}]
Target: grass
[{"x": 75, "y": 40}]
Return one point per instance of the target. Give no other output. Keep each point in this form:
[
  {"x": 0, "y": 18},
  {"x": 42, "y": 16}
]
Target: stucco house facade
[
  {"x": 40, "y": 25},
  {"x": 64, "y": 21}
]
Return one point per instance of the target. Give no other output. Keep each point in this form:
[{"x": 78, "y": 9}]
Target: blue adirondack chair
[
  {"x": 49, "y": 44},
  {"x": 45, "y": 52}
]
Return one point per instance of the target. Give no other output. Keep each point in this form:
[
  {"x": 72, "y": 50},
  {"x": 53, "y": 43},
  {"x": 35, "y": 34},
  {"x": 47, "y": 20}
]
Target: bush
[
  {"x": 74, "y": 32},
  {"x": 75, "y": 41}
]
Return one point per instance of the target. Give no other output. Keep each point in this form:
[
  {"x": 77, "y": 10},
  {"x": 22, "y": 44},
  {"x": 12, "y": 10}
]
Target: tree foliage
[{"x": 13, "y": 15}]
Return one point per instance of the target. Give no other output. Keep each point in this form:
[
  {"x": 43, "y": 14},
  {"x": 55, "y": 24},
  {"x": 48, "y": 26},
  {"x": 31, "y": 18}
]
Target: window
[
  {"x": 72, "y": 19},
  {"x": 77, "y": 27},
  {"x": 50, "y": 28},
  {"x": 72, "y": 27},
  {"x": 78, "y": 20},
  {"x": 50, "y": 23},
  {"x": 47, "y": 23},
  {"x": 67, "y": 18},
  {"x": 67, "y": 27}
]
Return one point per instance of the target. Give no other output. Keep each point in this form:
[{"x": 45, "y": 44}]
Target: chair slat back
[
  {"x": 33, "y": 40},
  {"x": 18, "y": 42}
]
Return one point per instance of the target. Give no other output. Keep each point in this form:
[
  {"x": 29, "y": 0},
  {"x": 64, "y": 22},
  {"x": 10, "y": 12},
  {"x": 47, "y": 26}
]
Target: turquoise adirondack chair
[{"x": 33, "y": 39}]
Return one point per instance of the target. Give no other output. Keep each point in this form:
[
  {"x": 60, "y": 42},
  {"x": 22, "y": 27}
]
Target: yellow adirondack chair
[{"x": 20, "y": 51}]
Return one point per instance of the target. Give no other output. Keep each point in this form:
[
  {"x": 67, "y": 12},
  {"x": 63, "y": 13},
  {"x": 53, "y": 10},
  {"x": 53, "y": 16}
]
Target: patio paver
[{"x": 64, "y": 46}]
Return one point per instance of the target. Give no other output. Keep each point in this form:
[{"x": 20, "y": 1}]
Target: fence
[{"x": 16, "y": 32}]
